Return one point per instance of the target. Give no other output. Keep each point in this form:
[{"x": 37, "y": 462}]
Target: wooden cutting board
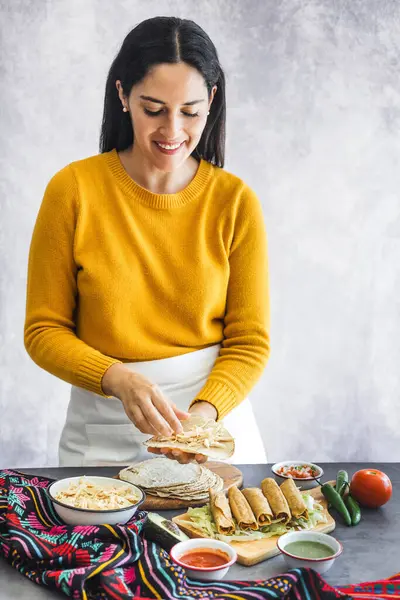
[
  {"x": 251, "y": 553},
  {"x": 230, "y": 474}
]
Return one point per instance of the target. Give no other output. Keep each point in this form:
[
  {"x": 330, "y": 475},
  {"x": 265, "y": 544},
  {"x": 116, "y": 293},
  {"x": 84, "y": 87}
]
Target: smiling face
[{"x": 169, "y": 110}]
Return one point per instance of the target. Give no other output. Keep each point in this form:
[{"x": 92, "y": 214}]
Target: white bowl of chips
[{"x": 92, "y": 500}]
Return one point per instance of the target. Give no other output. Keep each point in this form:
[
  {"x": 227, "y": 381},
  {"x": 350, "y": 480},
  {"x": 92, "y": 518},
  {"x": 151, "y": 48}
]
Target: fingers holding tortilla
[
  {"x": 179, "y": 455},
  {"x": 200, "y": 436}
]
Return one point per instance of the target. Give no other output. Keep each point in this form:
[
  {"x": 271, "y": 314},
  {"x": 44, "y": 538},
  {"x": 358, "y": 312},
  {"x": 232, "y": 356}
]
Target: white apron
[{"x": 98, "y": 432}]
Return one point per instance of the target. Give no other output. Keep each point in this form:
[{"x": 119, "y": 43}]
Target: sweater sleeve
[
  {"x": 245, "y": 348},
  {"x": 50, "y": 334}
]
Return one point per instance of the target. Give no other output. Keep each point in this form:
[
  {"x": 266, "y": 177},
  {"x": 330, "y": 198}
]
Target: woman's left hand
[{"x": 204, "y": 409}]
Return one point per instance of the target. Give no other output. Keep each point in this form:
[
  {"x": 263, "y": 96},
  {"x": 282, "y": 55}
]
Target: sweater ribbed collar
[{"x": 144, "y": 196}]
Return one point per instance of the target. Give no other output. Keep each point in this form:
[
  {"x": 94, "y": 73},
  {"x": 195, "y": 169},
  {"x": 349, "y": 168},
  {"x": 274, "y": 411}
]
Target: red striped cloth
[{"x": 374, "y": 590}]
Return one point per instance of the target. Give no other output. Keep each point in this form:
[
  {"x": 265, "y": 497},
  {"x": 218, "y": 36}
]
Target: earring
[
  {"x": 208, "y": 113},
  {"x": 125, "y": 109}
]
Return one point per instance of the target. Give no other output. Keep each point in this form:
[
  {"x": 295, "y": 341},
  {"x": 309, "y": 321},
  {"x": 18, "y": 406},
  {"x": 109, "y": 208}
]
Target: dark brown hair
[{"x": 156, "y": 41}]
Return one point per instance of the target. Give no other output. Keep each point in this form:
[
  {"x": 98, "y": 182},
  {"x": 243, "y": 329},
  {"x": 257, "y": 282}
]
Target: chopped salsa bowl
[{"x": 302, "y": 472}]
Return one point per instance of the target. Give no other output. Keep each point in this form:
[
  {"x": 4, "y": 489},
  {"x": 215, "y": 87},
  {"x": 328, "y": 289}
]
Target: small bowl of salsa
[
  {"x": 303, "y": 473},
  {"x": 310, "y": 549},
  {"x": 204, "y": 559}
]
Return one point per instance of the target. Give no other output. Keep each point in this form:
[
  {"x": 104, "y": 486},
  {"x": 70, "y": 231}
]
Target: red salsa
[
  {"x": 204, "y": 557},
  {"x": 298, "y": 471}
]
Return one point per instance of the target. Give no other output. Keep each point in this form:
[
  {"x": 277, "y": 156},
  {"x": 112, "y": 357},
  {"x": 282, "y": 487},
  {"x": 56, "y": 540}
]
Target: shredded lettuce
[
  {"x": 309, "y": 501},
  {"x": 202, "y": 517},
  {"x": 274, "y": 529},
  {"x": 314, "y": 519},
  {"x": 246, "y": 536},
  {"x": 243, "y": 536},
  {"x": 315, "y": 515}
]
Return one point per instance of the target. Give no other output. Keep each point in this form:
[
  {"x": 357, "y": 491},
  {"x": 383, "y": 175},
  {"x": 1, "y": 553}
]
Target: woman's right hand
[{"x": 144, "y": 403}]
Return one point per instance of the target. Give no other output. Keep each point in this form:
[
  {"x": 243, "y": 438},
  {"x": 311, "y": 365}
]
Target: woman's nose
[{"x": 171, "y": 127}]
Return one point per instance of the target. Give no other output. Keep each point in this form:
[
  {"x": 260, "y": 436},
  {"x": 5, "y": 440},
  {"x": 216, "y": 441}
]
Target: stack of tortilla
[
  {"x": 168, "y": 479},
  {"x": 253, "y": 508}
]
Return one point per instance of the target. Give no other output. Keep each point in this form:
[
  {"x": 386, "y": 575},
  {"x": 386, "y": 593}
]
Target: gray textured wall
[{"x": 313, "y": 126}]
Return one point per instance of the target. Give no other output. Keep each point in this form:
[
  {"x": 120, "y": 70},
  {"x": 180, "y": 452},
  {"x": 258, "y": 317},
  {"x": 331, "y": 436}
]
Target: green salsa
[{"x": 309, "y": 549}]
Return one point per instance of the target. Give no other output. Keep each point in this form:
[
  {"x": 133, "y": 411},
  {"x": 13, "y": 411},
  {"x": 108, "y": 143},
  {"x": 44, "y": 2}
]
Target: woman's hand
[
  {"x": 144, "y": 403},
  {"x": 208, "y": 411}
]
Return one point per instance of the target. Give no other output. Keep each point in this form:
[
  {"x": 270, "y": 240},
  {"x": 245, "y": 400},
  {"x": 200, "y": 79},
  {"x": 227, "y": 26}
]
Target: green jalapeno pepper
[
  {"x": 342, "y": 480},
  {"x": 354, "y": 510},
  {"x": 336, "y": 501}
]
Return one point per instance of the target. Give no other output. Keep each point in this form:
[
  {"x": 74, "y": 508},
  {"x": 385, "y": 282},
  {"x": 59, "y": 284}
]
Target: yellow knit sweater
[{"x": 120, "y": 274}]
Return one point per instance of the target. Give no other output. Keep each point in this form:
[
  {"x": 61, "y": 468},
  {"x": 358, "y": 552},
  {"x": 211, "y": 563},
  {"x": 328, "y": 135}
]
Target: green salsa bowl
[{"x": 310, "y": 549}]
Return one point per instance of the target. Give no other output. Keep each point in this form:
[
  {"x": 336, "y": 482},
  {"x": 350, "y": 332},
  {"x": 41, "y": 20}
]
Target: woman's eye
[
  {"x": 152, "y": 113},
  {"x": 155, "y": 113}
]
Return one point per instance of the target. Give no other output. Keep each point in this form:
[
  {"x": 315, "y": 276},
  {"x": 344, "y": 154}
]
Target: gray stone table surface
[{"x": 371, "y": 550}]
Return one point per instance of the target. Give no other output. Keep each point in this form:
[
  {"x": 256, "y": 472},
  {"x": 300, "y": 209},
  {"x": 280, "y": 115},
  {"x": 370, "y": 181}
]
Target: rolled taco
[
  {"x": 276, "y": 500},
  {"x": 294, "y": 499},
  {"x": 241, "y": 509},
  {"x": 221, "y": 513},
  {"x": 259, "y": 505}
]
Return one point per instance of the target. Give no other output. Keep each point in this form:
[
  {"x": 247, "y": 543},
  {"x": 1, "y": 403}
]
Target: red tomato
[{"x": 371, "y": 488}]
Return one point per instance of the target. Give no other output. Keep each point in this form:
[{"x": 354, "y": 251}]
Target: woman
[{"x": 147, "y": 283}]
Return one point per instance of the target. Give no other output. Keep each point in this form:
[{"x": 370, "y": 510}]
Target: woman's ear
[
  {"x": 213, "y": 91},
  {"x": 121, "y": 95}
]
